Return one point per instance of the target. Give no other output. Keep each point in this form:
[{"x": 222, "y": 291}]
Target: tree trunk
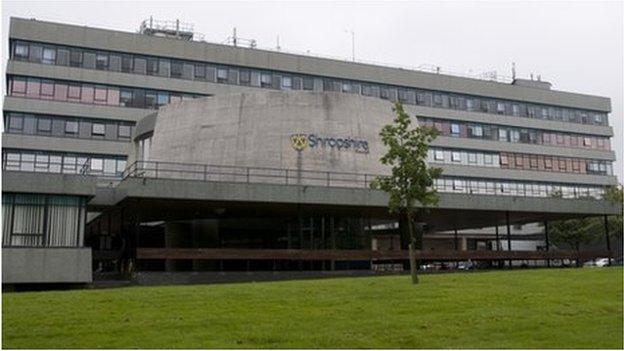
[{"x": 412, "y": 250}]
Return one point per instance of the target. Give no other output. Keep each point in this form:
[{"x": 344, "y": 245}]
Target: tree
[
  {"x": 410, "y": 183},
  {"x": 572, "y": 232}
]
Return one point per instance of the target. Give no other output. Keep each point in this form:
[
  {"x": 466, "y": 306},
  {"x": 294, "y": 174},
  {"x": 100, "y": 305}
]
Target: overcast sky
[{"x": 577, "y": 46}]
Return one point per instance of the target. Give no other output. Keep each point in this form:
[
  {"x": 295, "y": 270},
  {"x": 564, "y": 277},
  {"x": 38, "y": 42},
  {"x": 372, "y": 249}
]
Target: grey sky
[{"x": 577, "y": 46}]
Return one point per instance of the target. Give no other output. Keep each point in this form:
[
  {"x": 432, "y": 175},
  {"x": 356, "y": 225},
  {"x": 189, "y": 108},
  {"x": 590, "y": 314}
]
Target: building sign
[{"x": 300, "y": 142}]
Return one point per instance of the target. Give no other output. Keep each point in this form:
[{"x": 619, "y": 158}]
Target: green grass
[{"x": 557, "y": 308}]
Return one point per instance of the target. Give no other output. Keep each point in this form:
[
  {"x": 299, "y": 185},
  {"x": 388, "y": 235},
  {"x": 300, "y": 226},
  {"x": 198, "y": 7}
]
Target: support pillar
[
  {"x": 608, "y": 240},
  {"x": 547, "y": 241},
  {"x": 508, "y": 235}
]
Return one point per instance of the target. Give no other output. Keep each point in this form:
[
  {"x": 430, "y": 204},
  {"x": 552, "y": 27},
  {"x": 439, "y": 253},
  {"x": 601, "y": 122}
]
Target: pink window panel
[
  {"x": 600, "y": 143},
  {"x": 33, "y": 88},
  {"x": 582, "y": 166},
  {"x": 100, "y": 95},
  {"x": 463, "y": 130},
  {"x": 545, "y": 138},
  {"x": 47, "y": 90},
  {"x": 574, "y": 141},
  {"x": 60, "y": 92},
  {"x": 559, "y": 139},
  {"x": 607, "y": 144},
  {"x": 88, "y": 93},
  {"x": 73, "y": 93},
  {"x": 113, "y": 97},
  {"x": 18, "y": 87},
  {"x": 566, "y": 140}
]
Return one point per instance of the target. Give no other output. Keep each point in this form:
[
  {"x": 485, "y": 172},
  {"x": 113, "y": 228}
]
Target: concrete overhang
[
  {"x": 168, "y": 199},
  {"x": 48, "y": 183}
]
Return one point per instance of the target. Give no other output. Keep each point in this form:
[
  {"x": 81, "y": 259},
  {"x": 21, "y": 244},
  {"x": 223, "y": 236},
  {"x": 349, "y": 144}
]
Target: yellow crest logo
[{"x": 299, "y": 141}]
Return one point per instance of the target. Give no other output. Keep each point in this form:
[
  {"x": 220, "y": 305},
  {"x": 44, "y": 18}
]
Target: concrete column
[
  {"x": 177, "y": 235},
  {"x": 205, "y": 234},
  {"x": 464, "y": 243}
]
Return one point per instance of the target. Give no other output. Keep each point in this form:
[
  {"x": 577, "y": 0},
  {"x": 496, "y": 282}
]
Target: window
[
  {"x": 500, "y": 108},
  {"x": 101, "y": 61},
  {"x": 176, "y": 69},
  {"x": 73, "y": 92},
  {"x": 49, "y": 56},
  {"x": 519, "y": 161},
  {"x": 44, "y": 125},
  {"x": 265, "y": 80},
  {"x": 151, "y": 98},
  {"x": 472, "y": 157},
  {"x": 548, "y": 163},
  {"x": 21, "y": 51},
  {"x": 587, "y": 142},
  {"x": 455, "y": 129},
  {"x": 152, "y": 66},
  {"x": 245, "y": 77},
  {"x": 71, "y": 127},
  {"x": 75, "y": 58},
  {"x": 124, "y": 131},
  {"x": 16, "y": 122},
  {"x": 458, "y": 184},
  {"x": 533, "y": 162},
  {"x": 504, "y": 160},
  {"x": 140, "y": 65},
  {"x": 18, "y": 86},
  {"x": 439, "y": 155},
  {"x": 308, "y": 83},
  {"x": 98, "y": 129},
  {"x": 222, "y": 75},
  {"x": 97, "y": 164},
  {"x": 162, "y": 99},
  {"x": 100, "y": 94},
  {"x": 127, "y": 63},
  {"x": 477, "y": 131},
  {"x": 456, "y": 156},
  {"x": 125, "y": 97},
  {"x": 47, "y": 88},
  {"x": 487, "y": 159},
  {"x": 515, "y": 110},
  {"x": 200, "y": 72},
  {"x": 286, "y": 83},
  {"x": 502, "y": 134}
]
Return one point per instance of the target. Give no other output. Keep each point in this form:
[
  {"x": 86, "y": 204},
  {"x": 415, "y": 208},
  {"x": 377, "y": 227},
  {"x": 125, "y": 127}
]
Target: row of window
[
  {"x": 157, "y": 66},
  {"x": 67, "y": 127},
  {"x": 461, "y": 129},
  {"x": 68, "y": 163},
  {"x": 519, "y": 161},
  {"x": 92, "y": 94},
  {"x": 511, "y": 188},
  {"x": 32, "y": 220}
]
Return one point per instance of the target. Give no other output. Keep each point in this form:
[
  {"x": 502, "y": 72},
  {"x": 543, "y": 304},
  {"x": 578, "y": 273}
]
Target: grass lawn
[{"x": 554, "y": 308}]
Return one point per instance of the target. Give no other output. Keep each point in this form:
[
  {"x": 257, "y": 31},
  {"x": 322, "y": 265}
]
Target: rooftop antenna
[
  {"x": 539, "y": 77},
  {"x": 352, "y": 43},
  {"x": 513, "y": 70},
  {"x": 278, "y": 45},
  {"x": 234, "y": 36},
  {"x": 531, "y": 76}
]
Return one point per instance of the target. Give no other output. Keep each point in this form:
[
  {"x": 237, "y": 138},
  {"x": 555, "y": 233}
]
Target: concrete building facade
[{"x": 166, "y": 152}]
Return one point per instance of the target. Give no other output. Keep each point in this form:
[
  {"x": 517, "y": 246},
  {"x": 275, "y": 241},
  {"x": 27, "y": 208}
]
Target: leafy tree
[
  {"x": 572, "y": 232},
  {"x": 410, "y": 184},
  {"x": 577, "y": 232}
]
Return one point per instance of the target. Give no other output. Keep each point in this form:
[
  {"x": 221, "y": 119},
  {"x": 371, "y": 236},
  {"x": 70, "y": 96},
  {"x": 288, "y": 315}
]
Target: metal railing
[
  {"x": 284, "y": 176},
  {"x": 242, "y": 174},
  {"x": 57, "y": 167}
]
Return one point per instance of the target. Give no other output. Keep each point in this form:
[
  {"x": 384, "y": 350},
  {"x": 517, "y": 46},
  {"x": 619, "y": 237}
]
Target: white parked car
[{"x": 602, "y": 262}]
